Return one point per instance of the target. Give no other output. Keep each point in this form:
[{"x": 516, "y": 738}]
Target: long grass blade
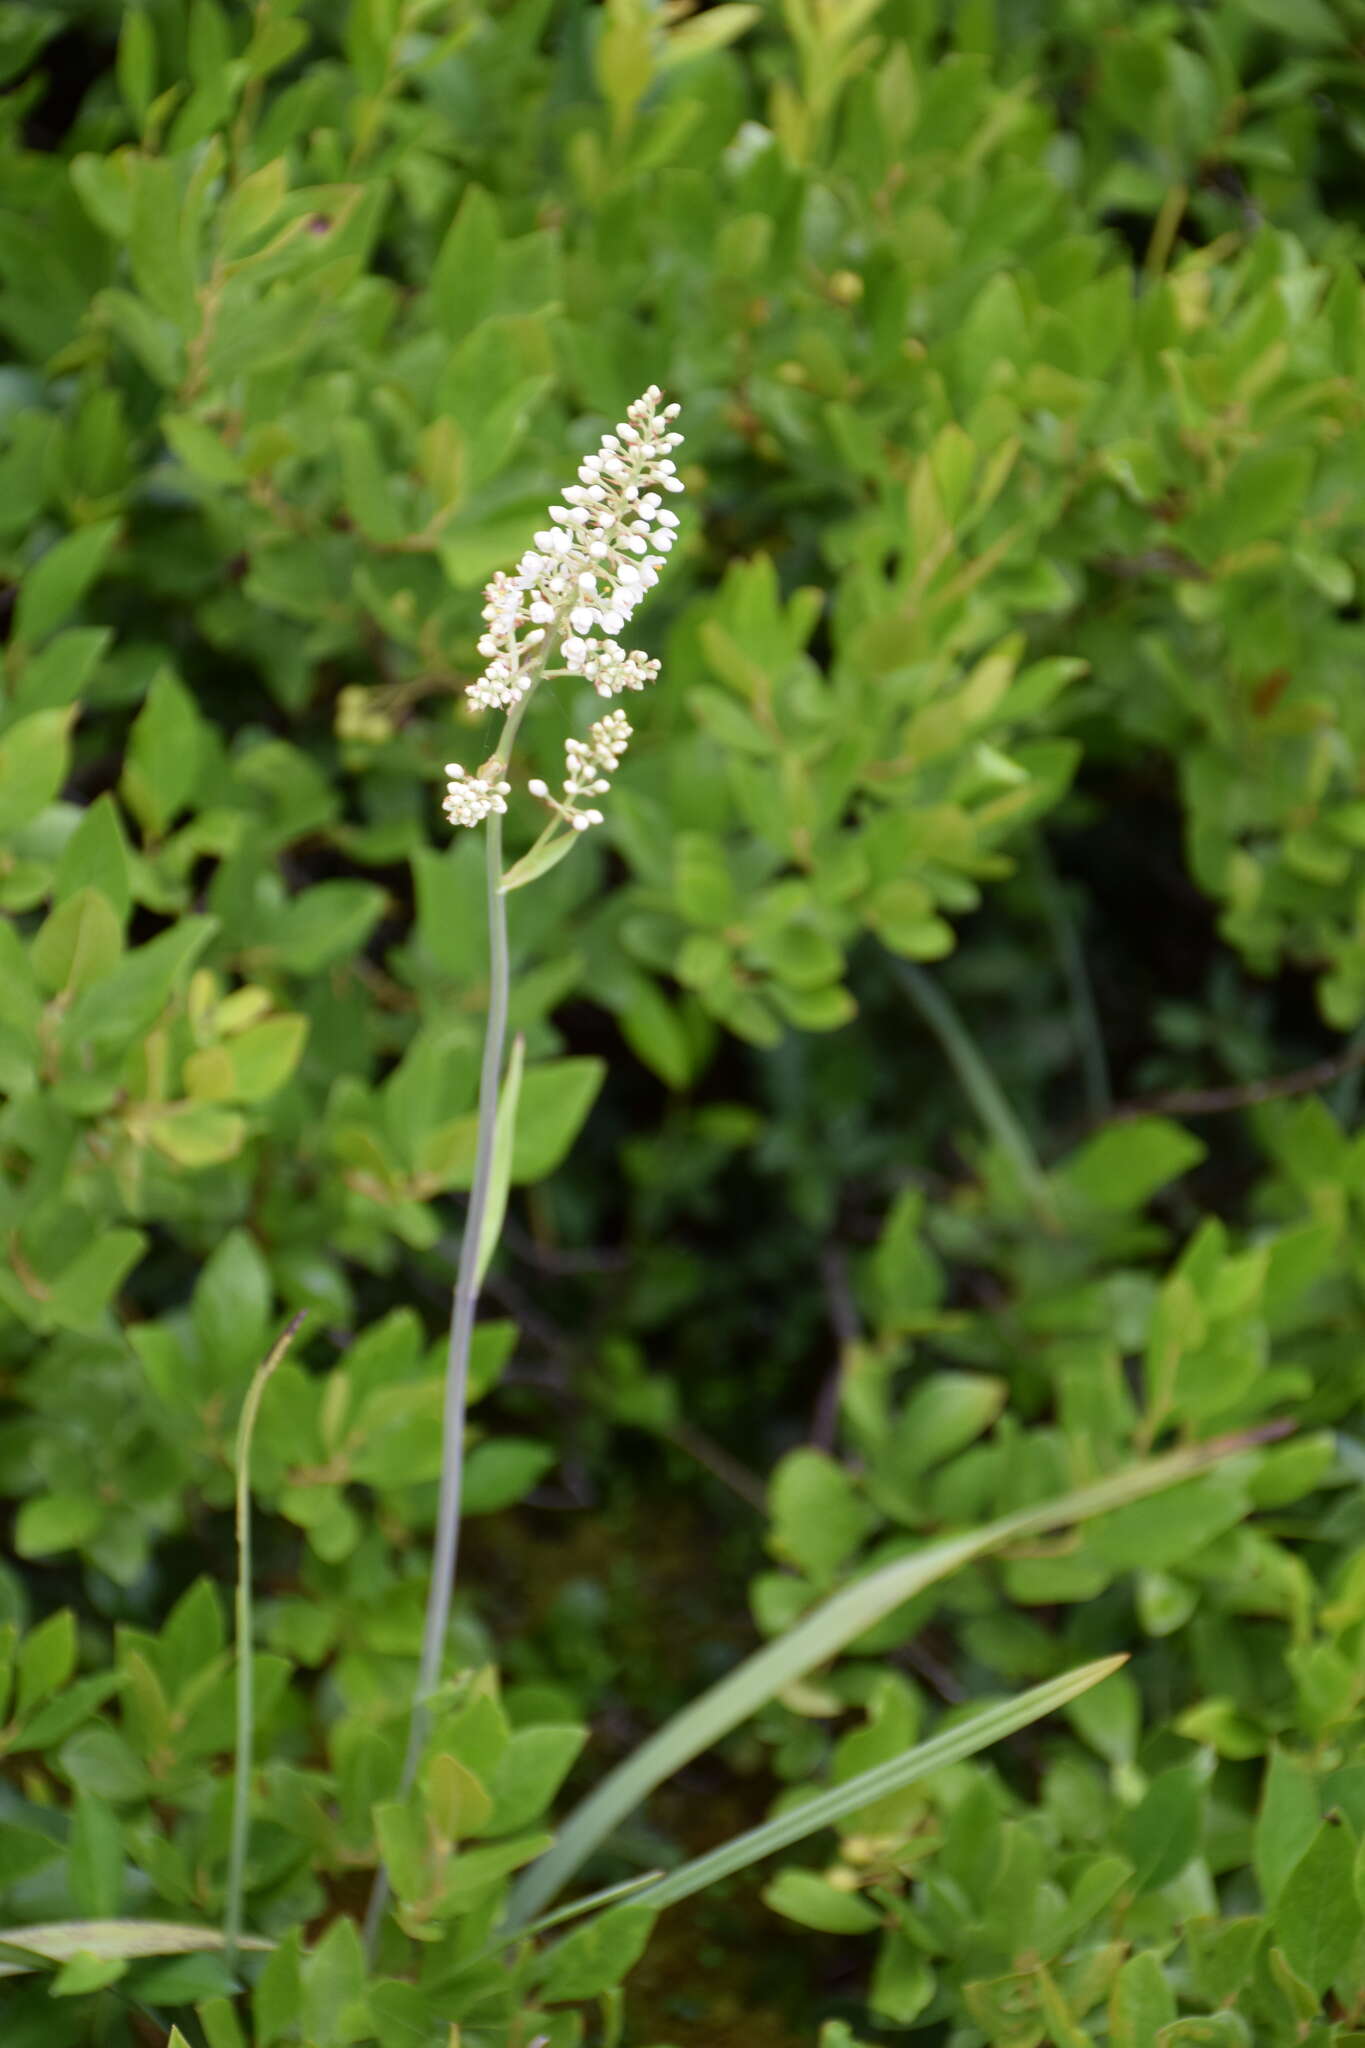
[
  {"x": 979, "y": 1085},
  {"x": 977, "y": 1731},
  {"x": 27, "y": 1949},
  {"x": 574, "y": 1909},
  {"x": 1099, "y": 1096},
  {"x": 819, "y": 1637},
  {"x": 246, "y": 1706}
]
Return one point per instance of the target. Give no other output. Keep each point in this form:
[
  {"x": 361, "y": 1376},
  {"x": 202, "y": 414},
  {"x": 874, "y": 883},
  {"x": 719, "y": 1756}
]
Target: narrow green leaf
[
  {"x": 85, "y": 1974},
  {"x": 702, "y": 34},
  {"x": 965, "y": 1738},
  {"x": 52, "y": 589},
  {"x": 1287, "y": 1821},
  {"x": 464, "y": 276},
  {"x": 500, "y": 1177},
  {"x": 135, "y": 65},
  {"x": 161, "y": 764},
  {"x": 1162, "y": 1833},
  {"x": 547, "y": 853},
  {"x": 95, "y": 1856},
  {"x": 1142, "y": 2001},
  {"x": 814, "y": 1640},
  {"x": 979, "y": 1085},
  {"x": 807, "y": 1898},
  {"x": 233, "y": 1939},
  {"x": 46, "y": 1661},
  {"x": 34, "y": 756},
  {"x": 58, "y": 1941}
]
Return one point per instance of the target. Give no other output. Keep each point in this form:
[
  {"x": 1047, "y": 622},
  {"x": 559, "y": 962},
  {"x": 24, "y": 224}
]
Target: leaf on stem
[{"x": 500, "y": 1176}]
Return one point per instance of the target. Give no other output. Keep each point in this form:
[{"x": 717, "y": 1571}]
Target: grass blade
[
  {"x": 977, "y": 1731},
  {"x": 591, "y": 1902},
  {"x": 979, "y": 1085},
  {"x": 246, "y": 1709},
  {"x": 820, "y": 1636},
  {"x": 58, "y": 1941},
  {"x": 1099, "y": 1094}
]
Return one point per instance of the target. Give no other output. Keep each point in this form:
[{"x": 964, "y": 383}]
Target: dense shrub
[{"x": 1014, "y": 626}]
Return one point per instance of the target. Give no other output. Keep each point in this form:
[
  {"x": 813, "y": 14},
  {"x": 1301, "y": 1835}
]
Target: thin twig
[
  {"x": 718, "y": 1462},
  {"x": 1243, "y": 1094},
  {"x": 566, "y": 1259},
  {"x": 932, "y": 1669},
  {"x": 1345, "y": 1099}
]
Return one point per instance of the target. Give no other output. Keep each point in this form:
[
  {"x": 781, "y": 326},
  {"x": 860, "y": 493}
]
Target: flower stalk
[{"x": 589, "y": 568}]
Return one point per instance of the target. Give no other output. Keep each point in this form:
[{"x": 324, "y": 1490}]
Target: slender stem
[
  {"x": 446, "y": 1551},
  {"x": 979, "y": 1085},
  {"x": 445, "y": 1554},
  {"x": 246, "y": 1704},
  {"x": 1071, "y": 954},
  {"x": 464, "y": 1305}
]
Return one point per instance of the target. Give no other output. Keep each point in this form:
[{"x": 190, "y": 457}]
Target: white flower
[
  {"x": 590, "y": 566},
  {"x": 607, "y": 666},
  {"x": 469, "y": 799},
  {"x": 591, "y": 764},
  {"x": 598, "y": 556}
]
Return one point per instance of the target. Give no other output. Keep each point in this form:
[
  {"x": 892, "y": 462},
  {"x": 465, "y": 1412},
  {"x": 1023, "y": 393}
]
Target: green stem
[
  {"x": 979, "y": 1085},
  {"x": 464, "y": 1305},
  {"x": 445, "y": 1554},
  {"x": 1071, "y": 955},
  {"x": 446, "y": 1551},
  {"x": 246, "y": 1704}
]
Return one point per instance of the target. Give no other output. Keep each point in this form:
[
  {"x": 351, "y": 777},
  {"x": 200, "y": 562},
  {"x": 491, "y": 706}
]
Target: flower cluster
[
  {"x": 607, "y": 666},
  {"x": 591, "y": 764},
  {"x": 469, "y": 799},
  {"x": 599, "y": 555}
]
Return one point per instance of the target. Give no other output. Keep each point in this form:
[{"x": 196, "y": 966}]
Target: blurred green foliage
[{"x": 1014, "y": 626}]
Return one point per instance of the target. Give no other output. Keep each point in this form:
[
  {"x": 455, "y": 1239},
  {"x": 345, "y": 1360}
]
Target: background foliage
[{"x": 1015, "y": 630}]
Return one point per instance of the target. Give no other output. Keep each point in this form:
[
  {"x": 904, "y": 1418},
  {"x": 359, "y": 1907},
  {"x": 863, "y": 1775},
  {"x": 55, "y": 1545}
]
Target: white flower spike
[{"x": 599, "y": 556}]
